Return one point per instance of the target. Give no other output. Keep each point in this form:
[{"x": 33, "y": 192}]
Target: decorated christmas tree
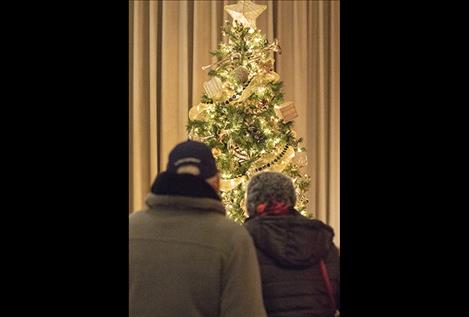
[{"x": 242, "y": 115}]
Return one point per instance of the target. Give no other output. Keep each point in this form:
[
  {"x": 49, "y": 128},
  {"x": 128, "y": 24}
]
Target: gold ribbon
[
  {"x": 228, "y": 184},
  {"x": 257, "y": 81},
  {"x": 197, "y": 112}
]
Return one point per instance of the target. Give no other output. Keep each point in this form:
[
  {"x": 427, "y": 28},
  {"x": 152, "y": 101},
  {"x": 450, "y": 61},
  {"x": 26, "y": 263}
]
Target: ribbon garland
[{"x": 265, "y": 163}]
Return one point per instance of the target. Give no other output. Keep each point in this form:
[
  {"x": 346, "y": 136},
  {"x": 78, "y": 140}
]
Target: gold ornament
[
  {"x": 216, "y": 152},
  {"x": 245, "y": 12}
]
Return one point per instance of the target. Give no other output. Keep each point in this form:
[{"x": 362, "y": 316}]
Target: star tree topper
[{"x": 245, "y": 12}]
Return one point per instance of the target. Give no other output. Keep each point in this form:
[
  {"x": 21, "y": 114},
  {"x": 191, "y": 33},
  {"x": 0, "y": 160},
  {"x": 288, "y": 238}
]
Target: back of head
[
  {"x": 195, "y": 158},
  {"x": 192, "y": 157},
  {"x": 269, "y": 189}
]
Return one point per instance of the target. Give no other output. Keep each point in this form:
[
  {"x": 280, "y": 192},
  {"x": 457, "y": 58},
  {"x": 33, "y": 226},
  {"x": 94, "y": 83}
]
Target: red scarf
[{"x": 273, "y": 208}]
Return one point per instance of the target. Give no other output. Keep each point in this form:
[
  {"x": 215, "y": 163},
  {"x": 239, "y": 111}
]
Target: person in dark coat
[{"x": 290, "y": 249}]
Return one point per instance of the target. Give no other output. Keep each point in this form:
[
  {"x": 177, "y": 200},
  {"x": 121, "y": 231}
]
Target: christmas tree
[{"x": 242, "y": 115}]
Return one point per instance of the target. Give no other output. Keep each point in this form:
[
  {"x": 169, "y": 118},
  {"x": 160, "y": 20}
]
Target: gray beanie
[{"x": 269, "y": 187}]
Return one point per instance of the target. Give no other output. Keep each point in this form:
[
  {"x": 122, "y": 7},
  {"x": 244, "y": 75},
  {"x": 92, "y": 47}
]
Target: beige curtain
[{"x": 170, "y": 42}]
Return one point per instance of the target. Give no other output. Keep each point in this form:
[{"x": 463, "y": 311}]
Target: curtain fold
[{"x": 170, "y": 42}]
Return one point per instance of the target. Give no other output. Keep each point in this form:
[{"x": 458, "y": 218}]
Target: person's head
[
  {"x": 195, "y": 158},
  {"x": 270, "y": 193}
]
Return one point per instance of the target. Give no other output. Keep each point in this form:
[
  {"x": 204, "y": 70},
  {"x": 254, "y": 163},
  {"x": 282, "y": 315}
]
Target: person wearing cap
[
  {"x": 186, "y": 258},
  {"x": 296, "y": 254}
]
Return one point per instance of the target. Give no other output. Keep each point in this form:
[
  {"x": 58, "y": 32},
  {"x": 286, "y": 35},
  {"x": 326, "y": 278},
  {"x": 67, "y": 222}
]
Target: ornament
[
  {"x": 301, "y": 159},
  {"x": 213, "y": 88},
  {"x": 245, "y": 12},
  {"x": 286, "y": 111},
  {"x": 216, "y": 152},
  {"x": 241, "y": 74}
]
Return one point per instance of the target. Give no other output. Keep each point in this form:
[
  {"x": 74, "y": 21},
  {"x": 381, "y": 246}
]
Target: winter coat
[
  {"x": 187, "y": 259},
  {"x": 289, "y": 249}
]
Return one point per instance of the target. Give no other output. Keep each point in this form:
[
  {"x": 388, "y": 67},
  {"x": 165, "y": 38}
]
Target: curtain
[{"x": 170, "y": 42}]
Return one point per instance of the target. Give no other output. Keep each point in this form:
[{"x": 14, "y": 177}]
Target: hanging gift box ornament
[
  {"x": 213, "y": 88},
  {"x": 286, "y": 111}
]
